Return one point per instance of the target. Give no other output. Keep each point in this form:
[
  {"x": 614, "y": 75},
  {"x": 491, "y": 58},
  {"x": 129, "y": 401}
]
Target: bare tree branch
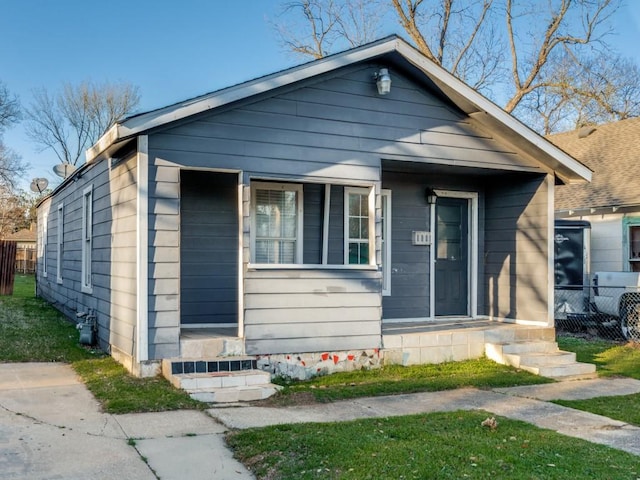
[{"x": 74, "y": 119}]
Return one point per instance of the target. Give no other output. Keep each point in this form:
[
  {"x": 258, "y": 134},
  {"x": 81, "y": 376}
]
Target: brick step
[{"x": 198, "y": 382}]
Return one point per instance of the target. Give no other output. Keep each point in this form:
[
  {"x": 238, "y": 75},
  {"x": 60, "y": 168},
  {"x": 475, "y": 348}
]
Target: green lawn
[
  {"x": 430, "y": 446},
  {"x": 612, "y": 359},
  {"x": 396, "y": 379}
]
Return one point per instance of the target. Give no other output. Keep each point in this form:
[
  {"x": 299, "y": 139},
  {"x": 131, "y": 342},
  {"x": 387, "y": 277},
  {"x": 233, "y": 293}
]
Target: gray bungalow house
[{"x": 308, "y": 213}]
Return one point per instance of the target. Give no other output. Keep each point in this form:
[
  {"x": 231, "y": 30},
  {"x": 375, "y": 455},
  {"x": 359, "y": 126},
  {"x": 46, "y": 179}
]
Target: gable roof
[
  {"x": 611, "y": 151},
  {"x": 392, "y": 51}
]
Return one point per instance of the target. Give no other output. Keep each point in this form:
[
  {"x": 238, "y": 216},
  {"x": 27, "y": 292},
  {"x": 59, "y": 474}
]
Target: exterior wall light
[
  {"x": 430, "y": 196},
  {"x": 383, "y": 81}
]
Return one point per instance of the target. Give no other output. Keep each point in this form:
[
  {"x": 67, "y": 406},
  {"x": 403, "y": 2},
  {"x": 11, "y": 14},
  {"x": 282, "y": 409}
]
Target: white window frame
[
  {"x": 385, "y": 196},
  {"x": 87, "y": 239},
  {"x": 369, "y": 193},
  {"x": 288, "y": 187},
  {"x": 59, "y": 242}
]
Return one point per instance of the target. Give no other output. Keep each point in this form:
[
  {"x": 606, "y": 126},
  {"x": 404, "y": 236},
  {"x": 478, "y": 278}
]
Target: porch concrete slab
[
  {"x": 178, "y": 423},
  {"x": 578, "y": 390},
  {"x": 567, "y": 421},
  {"x": 200, "y": 457}
]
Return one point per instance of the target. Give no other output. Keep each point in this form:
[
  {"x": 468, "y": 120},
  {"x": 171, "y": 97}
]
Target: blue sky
[{"x": 172, "y": 50}]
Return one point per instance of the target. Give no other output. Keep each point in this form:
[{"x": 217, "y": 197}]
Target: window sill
[{"x": 308, "y": 266}]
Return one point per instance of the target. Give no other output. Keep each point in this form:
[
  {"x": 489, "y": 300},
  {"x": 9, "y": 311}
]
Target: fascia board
[{"x": 454, "y": 87}]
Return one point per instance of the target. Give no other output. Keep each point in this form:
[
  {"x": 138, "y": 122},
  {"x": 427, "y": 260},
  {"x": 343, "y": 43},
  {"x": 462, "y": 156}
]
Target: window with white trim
[
  {"x": 60, "y": 242},
  {"x": 276, "y": 233},
  {"x": 356, "y": 226},
  {"x": 386, "y": 242},
  {"x": 87, "y": 238}
]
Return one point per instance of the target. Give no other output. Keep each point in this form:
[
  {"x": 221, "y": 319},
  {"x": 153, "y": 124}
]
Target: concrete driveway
[{"x": 51, "y": 427}]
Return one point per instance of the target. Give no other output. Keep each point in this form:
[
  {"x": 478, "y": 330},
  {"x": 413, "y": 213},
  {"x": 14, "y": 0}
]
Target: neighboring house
[
  {"x": 25, "y": 249},
  {"x": 305, "y": 212},
  {"x": 611, "y": 202}
]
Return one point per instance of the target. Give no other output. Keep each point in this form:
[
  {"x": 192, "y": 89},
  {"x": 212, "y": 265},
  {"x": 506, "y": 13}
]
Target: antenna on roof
[
  {"x": 38, "y": 185},
  {"x": 64, "y": 169}
]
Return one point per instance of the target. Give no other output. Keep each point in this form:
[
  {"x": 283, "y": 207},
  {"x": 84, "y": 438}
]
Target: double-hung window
[
  {"x": 356, "y": 226},
  {"x": 276, "y": 223},
  {"x": 60, "y": 242},
  {"x": 87, "y": 238}
]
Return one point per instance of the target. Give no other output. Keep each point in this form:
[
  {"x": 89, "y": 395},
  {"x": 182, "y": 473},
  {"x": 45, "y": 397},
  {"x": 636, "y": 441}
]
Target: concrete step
[
  {"x": 520, "y": 333},
  {"x": 534, "y": 359},
  {"x": 572, "y": 371},
  {"x": 195, "y": 346},
  {"x": 219, "y": 379},
  {"x": 495, "y": 351},
  {"x": 236, "y": 394},
  {"x": 198, "y": 382}
]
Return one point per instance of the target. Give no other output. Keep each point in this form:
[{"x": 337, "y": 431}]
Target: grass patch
[
  {"x": 33, "y": 331},
  {"x": 396, "y": 379},
  {"x": 436, "y": 445},
  {"x": 611, "y": 358},
  {"x": 625, "y": 408},
  {"x": 119, "y": 392}
]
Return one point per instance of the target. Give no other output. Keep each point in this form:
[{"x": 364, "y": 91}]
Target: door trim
[{"x": 472, "y": 270}]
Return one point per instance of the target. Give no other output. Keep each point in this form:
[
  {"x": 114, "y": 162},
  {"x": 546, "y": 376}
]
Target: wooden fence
[{"x": 7, "y": 266}]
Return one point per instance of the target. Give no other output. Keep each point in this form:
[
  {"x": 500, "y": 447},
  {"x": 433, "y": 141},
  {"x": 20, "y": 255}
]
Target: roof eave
[{"x": 568, "y": 169}]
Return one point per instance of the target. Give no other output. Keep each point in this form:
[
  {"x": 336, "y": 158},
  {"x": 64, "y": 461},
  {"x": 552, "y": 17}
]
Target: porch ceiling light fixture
[
  {"x": 383, "y": 81},
  {"x": 431, "y": 196}
]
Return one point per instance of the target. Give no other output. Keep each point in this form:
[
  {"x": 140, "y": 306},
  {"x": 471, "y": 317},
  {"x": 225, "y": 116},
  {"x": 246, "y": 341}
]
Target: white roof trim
[{"x": 450, "y": 85}]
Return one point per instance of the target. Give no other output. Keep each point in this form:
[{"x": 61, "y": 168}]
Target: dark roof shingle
[{"x": 612, "y": 151}]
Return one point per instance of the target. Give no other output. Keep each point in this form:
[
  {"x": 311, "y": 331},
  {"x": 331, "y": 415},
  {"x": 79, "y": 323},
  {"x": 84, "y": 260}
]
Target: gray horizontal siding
[
  {"x": 113, "y": 265},
  {"x": 311, "y": 310},
  {"x": 516, "y": 239}
]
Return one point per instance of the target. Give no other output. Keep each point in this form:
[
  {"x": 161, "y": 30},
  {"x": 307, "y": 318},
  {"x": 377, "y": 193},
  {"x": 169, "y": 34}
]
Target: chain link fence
[{"x": 600, "y": 308}]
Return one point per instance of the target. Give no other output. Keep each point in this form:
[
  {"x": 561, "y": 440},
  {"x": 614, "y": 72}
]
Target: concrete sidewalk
[
  {"x": 529, "y": 404},
  {"x": 51, "y": 427}
]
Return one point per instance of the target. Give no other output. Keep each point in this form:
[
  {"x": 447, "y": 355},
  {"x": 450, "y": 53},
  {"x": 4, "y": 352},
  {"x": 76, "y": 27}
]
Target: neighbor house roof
[
  {"x": 24, "y": 235},
  {"x": 612, "y": 152},
  {"x": 393, "y": 52}
]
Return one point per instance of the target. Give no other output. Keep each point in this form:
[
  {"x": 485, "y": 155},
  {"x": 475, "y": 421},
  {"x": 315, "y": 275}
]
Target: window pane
[
  {"x": 354, "y": 228},
  {"x": 364, "y": 228},
  {"x": 634, "y": 242},
  {"x": 354, "y": 205},
  {"x": 276, "y": 225}
]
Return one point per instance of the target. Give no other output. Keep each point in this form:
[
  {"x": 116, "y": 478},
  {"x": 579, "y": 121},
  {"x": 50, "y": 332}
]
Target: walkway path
[{"x": 51, "y": 426}]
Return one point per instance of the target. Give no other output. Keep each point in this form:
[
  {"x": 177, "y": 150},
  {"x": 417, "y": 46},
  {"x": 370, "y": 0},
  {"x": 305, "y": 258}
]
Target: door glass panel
[{"x": 448, "y": 232}]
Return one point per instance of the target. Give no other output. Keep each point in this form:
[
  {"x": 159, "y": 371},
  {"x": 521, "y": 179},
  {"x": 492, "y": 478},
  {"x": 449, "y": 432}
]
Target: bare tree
[
  {"x": 596, "y": 90},
  {"x": 73, "y": 119},
  {"x": 11, "y": 165},
  {"x": 508, "y": 49},
  {"x": 325, "y": 22}
]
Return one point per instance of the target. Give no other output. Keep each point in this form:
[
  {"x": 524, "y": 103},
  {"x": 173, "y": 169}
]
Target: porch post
[{"x": 142, "y": 250}]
